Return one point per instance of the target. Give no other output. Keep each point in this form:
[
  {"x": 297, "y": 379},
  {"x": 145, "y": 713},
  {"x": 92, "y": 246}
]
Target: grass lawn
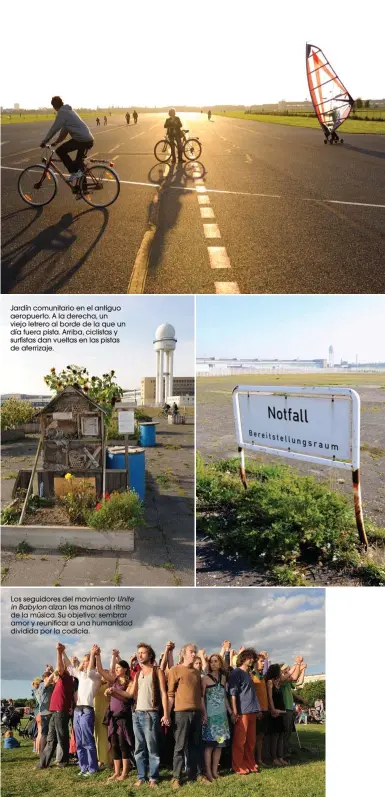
[
  {"x": 350, "y": 126},
  {"x": 304, "y": 778},
  {"x": 348, "y": 379},
  {"x": 49, "y": 117}
]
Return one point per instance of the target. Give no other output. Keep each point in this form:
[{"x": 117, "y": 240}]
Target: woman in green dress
[{"x": 215, "y": 708}]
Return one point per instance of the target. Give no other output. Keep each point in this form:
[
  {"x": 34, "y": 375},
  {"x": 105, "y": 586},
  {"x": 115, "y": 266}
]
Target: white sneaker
[{"x": 73, "y": 177}]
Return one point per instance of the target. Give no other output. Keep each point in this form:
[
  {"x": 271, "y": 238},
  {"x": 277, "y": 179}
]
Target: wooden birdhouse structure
[{"x": 72, "y": 430}]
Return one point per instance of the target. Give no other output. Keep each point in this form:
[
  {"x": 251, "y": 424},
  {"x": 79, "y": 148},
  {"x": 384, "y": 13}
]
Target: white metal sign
[
  {"x": 126, "y": 422},
  {"x": 319, "y": 424}
]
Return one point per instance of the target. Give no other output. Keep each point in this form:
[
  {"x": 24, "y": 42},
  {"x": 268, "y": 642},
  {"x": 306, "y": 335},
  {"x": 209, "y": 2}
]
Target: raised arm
[
  {"x": 108, "y": 676},
  {"x": 115, "y": 656},
  {"x": 60, "y": 666},
  {"x": 301, "y": 676}
]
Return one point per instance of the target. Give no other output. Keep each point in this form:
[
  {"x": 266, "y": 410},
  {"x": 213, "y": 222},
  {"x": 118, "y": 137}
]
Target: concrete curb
[{"x": 50, "y": 538}]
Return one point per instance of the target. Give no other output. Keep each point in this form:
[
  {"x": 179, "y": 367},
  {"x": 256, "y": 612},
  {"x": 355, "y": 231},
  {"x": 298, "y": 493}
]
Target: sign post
[
  {"x": 319, "y": 425},
  {"x": 126, "y": 425}
]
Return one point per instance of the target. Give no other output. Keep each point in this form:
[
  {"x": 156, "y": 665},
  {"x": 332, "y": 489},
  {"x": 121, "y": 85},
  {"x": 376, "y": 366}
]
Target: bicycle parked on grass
[
  {"x": 99, "y": 184},
  {"x": 191, "y": 148}
]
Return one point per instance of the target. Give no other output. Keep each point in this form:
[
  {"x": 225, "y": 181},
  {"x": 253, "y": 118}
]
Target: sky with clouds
[{"x": 285, "y": 622}]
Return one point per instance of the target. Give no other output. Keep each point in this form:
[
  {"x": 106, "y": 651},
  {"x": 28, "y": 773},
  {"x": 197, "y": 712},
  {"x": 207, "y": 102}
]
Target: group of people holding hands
[{"x": 147, "y": 714}]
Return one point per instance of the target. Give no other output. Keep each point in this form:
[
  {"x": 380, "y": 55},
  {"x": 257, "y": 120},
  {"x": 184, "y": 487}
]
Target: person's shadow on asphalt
[{"x": 51, "y": 243}]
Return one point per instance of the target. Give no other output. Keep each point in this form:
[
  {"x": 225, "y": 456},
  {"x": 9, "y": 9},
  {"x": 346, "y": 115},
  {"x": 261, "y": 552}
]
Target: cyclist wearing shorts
[
  {"x": 173, "y": 126},
  {"x": 68, "y": 122}
]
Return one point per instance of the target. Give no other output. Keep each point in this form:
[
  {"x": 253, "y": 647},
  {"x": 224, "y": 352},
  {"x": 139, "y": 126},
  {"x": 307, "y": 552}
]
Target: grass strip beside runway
[{"x": 350, "y": 126}]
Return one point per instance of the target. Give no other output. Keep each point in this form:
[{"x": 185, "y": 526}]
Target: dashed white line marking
[
  {"x": 248, "y": 159},
  {"x": 211, "y": 231},
  {"x": 114, "y": 148},
  {"x": 203, "y": 199},
  {"x": 218, "y": 257},
  {"x": 359, "y": 204},
  {"x": 207, "y": 213},
  {"x": 226, "y": 287},
  {"x": 201, "y": 189},
  {"x": 6, "y": 142}
]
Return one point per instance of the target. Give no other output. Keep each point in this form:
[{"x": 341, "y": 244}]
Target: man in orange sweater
[{"x": 185, "y": 695}]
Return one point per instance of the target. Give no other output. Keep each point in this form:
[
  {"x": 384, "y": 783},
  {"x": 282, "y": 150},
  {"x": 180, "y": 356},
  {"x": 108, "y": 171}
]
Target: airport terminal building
[
  {"x": 183, "y": 386},
  {"x": 221, "y": 366}
]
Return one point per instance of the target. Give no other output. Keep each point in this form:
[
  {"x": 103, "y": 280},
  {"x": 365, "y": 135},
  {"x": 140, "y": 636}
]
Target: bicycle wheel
[
  {"x": 192, "y": 149},
  {"x": 162, "y": 151},
  {"x": 99, "y": 186},
  {"x": 37, "y": 185}
]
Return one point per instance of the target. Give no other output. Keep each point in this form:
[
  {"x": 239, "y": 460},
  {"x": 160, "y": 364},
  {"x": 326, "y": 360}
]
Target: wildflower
[
  {"x": 98, "y": 506},
  {"x": 52, "y": 371},
  {"x": 68, "y": 476}
]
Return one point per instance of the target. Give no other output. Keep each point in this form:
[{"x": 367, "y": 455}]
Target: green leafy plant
[
  {"x": 103, "y": 390},
  {"x": 78, "y": 501},
  {"x": 69, "y": 551},
  {"x": 123, "y": 510},
  {"x": 282, "y": 520},
  {"x": 10, "y": 515},
  {"x": 314, "y": 690},
  {"x": 15, "y": 412},
  {"x": 23, "y": 548}
]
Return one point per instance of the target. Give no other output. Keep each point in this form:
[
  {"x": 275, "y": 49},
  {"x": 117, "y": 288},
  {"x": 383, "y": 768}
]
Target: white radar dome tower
[{"x": 164, "y": 345}]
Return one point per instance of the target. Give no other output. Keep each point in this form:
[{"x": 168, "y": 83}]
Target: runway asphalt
[{"x": 267, "y": 209}]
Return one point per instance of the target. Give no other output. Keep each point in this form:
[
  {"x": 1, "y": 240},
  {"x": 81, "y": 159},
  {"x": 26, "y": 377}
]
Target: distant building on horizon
[{"x": 183, "y": 386}]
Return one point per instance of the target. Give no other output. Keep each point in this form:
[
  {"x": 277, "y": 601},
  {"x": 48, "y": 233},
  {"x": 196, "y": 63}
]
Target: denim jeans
[
  {"x": 84, "y": 724},
  {"x": 147, "y": 743}
]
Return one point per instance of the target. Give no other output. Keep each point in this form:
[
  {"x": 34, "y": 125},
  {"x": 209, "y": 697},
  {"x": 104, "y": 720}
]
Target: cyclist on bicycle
[
  {"x": 128, "y": 118},
  {"x": 68, "y": 122},
  {"x": 166, "y": 408},
  {"x": 173, "y": 126},
  {"x": 135, "y": 116}
]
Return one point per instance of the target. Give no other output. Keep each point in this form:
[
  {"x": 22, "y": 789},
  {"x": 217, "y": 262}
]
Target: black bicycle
[{"x": 192, "y": 148}]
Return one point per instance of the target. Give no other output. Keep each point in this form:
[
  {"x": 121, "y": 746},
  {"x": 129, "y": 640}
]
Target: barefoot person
[
  {"x": 185, "y": 691},
  {"x": 60, "y": 706},
  {"x": 246, "y": 708},
  {"x": 150, "y": 711},
  {"x": 89, "y": 682},
  {"x": 276, "y": 728},
  {"x": 261, "y": 692},
  {"x": 215, "y": 708},
  {"x": 119, "y": 718}
]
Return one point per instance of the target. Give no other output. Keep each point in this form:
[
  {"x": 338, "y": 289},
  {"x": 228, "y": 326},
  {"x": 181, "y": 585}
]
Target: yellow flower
[{"x": 68, "y": 476}]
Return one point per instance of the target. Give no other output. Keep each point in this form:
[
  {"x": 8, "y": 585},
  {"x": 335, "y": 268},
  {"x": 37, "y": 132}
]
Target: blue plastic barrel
[
  {"x": 116, "y": 460},
  {"x": 147, "y": 434}
]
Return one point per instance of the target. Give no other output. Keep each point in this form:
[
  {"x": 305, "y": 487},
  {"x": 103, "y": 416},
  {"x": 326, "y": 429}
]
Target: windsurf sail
[{"x": 331, "y": 100}]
